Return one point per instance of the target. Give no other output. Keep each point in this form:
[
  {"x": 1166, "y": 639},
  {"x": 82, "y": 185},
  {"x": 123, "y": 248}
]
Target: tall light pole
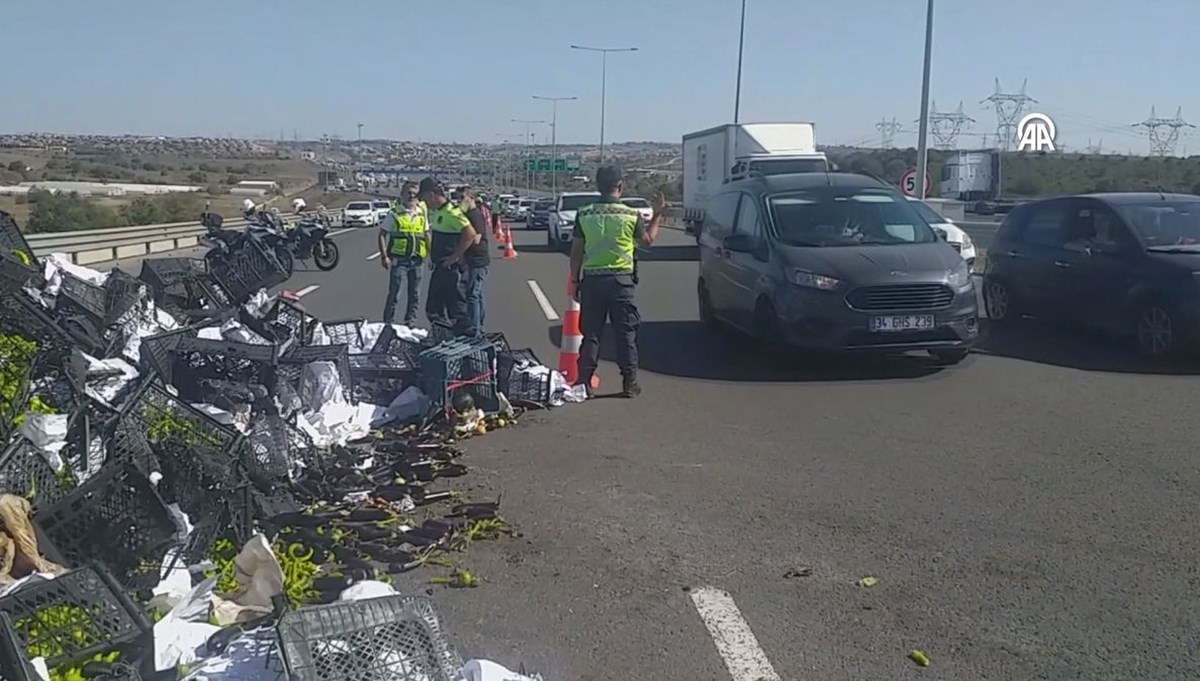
[
  {"x": 923, "y": 134},
  {"x": 509, "y": 176},
  {"x": 554, "y": 138},
  {"x": 737, "y": 95},
  {"x": 529, "y": 172},
  {"x": 603, "y": 81}
]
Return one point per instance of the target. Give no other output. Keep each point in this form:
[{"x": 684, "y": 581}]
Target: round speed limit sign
[{"x": 908, "y": 182}]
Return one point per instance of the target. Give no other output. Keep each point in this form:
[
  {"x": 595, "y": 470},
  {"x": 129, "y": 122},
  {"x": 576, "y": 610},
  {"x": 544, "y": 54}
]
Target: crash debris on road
[{"x": 200, "y": 479}]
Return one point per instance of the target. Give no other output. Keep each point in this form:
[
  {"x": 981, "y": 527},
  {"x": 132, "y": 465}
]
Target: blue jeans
[
  {"x": 475, "y": 308},
  {"x": 403, "y": 271}
]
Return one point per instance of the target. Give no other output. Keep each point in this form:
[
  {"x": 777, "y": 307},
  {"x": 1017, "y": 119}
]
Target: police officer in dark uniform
[
  {"x": 603, "y": 269},
  {"x": 452, "y": 236}
]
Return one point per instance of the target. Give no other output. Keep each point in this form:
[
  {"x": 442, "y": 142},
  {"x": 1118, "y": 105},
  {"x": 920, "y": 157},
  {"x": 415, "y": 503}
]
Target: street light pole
[
  {"x": 509, "y": 175},
  {"x": 923, "y": 134},
  {"x": 554, "y": 138},
  {"x": 737, "y": 95},
  {"x": 603, "y": 81},
  {"x": 529, "y": 172}
]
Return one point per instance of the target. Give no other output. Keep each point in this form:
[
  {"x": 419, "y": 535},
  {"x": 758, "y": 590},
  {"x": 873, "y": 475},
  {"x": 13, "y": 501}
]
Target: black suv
[
  {"x": 1127, "y": 263},
  {"x": 835, "y": 261}
]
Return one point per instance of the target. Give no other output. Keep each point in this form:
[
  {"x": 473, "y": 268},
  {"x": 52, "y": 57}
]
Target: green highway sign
[{"x": 546, "y": 165}]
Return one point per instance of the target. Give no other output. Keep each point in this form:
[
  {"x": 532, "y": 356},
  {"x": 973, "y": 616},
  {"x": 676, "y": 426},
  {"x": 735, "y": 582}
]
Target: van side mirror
[{"x": 740, "y": 243}]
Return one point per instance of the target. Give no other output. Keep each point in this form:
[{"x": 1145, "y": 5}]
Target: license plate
[{"x": 909, "y": 322}]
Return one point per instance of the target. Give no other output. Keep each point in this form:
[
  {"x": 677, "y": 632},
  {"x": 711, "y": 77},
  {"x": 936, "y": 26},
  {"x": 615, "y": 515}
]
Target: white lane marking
[
  {"x": 373, "y": 255},
  {"x": 736, "y": 644},
  {"x": 342, "y": 231},
  {"x": 542, "y": 301},
  {"x": 306, "y": 290}
]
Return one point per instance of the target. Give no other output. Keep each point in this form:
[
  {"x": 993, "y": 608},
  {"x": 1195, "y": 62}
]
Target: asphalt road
[{"x": 1028, "y": 513}]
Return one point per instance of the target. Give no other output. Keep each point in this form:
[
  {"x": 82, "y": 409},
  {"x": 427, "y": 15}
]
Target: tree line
[{"x": 64, "y": 212}]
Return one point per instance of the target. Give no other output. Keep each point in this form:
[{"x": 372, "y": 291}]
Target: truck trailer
[{"x": 727, "y": 152}]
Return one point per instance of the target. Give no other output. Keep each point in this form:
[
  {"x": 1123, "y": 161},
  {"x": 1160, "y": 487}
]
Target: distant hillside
[{"x": 1044, "y": 174}]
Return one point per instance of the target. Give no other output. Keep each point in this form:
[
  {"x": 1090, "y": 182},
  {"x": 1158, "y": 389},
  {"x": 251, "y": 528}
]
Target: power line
[
  {"x": 1009, "y": 107},
  {"x": 946, "y": 127},
  {"x": 1163, "y": 132},
  {"x": 887, "y": 130}
]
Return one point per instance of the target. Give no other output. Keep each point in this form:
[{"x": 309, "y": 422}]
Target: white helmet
[
  {"x": 247, "y": 205},
  {"x": 299, "y": 205}
]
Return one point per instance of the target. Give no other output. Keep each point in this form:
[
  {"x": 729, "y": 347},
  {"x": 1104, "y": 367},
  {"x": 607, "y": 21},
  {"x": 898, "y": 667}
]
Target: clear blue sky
[{"x": 460, "y": 71}]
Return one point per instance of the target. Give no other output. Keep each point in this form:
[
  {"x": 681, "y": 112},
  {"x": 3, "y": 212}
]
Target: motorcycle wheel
[
  {"x": 325, "y": 254},
  {"x": 286, "y": 259}
]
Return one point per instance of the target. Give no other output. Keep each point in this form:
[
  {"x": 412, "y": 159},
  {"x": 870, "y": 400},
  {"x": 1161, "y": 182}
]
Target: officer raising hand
[{"x": 603, "y": 247}]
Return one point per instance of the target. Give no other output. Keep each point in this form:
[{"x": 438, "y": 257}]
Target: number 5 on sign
[{"x": 908, "y": 182}]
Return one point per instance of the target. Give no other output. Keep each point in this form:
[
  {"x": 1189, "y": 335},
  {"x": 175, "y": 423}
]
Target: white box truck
[{"x": 717, "y": 155}]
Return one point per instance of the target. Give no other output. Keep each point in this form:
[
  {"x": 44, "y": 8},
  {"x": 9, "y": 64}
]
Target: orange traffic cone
[
  {"x": 572, "y": 339},
  {"x": 510, "y": 253}
]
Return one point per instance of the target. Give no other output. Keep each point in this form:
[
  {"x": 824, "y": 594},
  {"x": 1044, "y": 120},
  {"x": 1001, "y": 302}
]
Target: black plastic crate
[
  {"x": 197, "y": 360},
  {"x": 74, "y": 616},
  {"x": 156, "y": 351},
  {"x": 397, "y": 638},
  {"x": 162, "y": 273},
  {"x": 379, "y": 379},
  {"x": 25, "y": 472},
  {"x": 123, "y": 294},
  {"x": 14, "y": 666},
  {"x": 390, "y": 344},
  {"x": 80, "y": 295},
  {"x": 520, "y": 387},
  {"x": 115, "y": 518},
  {"x": 250, "y": 267},
  {"x": 345, "y": 331},
  {"x": 291, "y": 364},
  {"x": 169, "y": 423},
  {"x": 15, "y": 275},
  {"x": 19, "y": 313},
  {"x": 465, "y": 366},
  {"x": 13, "y": 242},
  {"x": 284, "y": 321},
  {"x": 180, "y": 285},
  {"x": 496, "y": 338}
]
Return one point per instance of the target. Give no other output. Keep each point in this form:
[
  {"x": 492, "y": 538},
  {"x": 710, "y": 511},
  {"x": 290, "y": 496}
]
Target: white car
[
  {"x": 642, "y": 206},
  {"x": 521, "y": 211},
  {"x": 562, "y": 217},
  {"x": 952, "y": 233},
  {"x": 383, "y": 208},
  {"x": 360, "y": 214}
]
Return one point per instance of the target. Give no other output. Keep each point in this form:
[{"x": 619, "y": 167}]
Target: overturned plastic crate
[
  {"x": 15, "y": 274},
  {"x": 74, "y": 616},
  {"x": 156, "y": 352},
  {"x": 14, "y": 666},
  {"x": 457, "y": 368},
  {"x": 123, "y": 296},
  {"x": 81, "y": 296},
  {"x": 250, "y": 267},
  {"x": 115, "y": 518},
  {"x": 391, "y": 344},
  {"x": 183, "y": 285},
  {"x": 523, "y": 379},
  {"x": 496, "y": 338},
  {"x": 22, "y": 315},
  {"x": 292, "y": 363},
  {"x": 378, "y": 379},
  {"x": 203, "y": 362},
  {"x": 284, "y": 321},
  {"x": 197, "y": 455},
  {"x": 25, "y": 472},
  {"x": 13, "y": 242},
  {"x": 397, "y": 638},
  {"x": 345, "y": 331}
]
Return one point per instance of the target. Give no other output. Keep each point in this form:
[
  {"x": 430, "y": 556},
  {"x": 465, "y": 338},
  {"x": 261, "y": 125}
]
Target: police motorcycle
[
  {"x": 261, "y": 227},
  {"x": 309, "y": 238}
]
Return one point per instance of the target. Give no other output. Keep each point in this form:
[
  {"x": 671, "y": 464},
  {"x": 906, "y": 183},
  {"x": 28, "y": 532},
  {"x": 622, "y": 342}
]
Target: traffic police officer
[
  {"x": 603, "y": 247},
  {"x": 403, "y": 247},
  {"x": 452, "y": 236}
]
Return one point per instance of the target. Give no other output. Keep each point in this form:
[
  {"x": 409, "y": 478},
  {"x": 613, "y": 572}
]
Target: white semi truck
[{"x": 717, "y": 155}]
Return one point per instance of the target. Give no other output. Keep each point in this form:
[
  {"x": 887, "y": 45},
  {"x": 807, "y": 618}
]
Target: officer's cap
[{"x": 431, "y": 186}]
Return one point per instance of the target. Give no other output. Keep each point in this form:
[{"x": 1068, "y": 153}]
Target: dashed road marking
[
  {"x": 342, "y": 231},
  {"x": 736, "y": 644},
  {"x": 542, "y": 301},
  {"x": 306, "y": 290},
  {"x": 373, "y": 255}
]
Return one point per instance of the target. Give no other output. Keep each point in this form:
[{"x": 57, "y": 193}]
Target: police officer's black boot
[{"x": 629, "y": 385}]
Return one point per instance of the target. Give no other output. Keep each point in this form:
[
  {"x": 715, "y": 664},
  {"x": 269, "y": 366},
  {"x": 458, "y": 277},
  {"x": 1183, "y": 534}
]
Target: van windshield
[{"x": 846, "y": 216}]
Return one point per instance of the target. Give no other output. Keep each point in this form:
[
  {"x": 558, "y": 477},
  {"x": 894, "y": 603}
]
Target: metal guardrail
[{"x": 102, "y": 245}]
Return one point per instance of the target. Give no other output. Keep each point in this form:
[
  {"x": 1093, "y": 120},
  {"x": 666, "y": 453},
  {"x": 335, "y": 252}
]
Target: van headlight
[
  {"x": 960, "y": 276},
  {"x": 807, "y": 279}
]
